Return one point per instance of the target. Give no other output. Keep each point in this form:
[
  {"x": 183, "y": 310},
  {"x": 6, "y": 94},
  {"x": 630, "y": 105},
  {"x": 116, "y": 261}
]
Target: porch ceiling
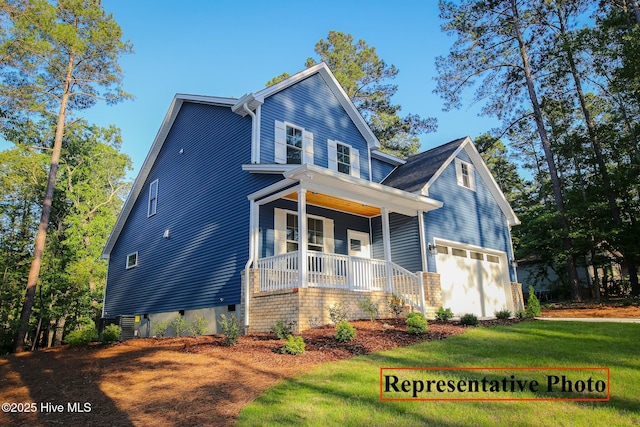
[
  {"x": 340, "y": 190},
  {"x": 337, "y": 203}
]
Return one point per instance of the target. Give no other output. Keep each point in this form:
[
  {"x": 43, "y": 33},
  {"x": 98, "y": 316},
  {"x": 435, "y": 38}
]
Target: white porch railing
[{"x": 341, "y": 271}]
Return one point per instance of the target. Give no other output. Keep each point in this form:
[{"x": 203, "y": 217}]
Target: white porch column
[
  {"x": 386, "y": 242},
  {"x": 423, "y": 240},
  {"x": 302, "y": 237}
]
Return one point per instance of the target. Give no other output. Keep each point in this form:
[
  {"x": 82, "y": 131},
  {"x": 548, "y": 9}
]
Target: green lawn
[{"x": 347, "y": 393}]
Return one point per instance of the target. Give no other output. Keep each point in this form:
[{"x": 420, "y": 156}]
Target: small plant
[
  {"x": 416, "y": 323},
  {"x": 111, "y": 333},
  {"x": 533, "y": 304},
  {"x": 521, "y": 314},
  {"x": 81, "y": 337},
  {"x": 281, "y": 329},
  {"x": 396, "y": 305},
  {"x": 503, "y": 314},
  {"x": 345, "y": 332},
  {"x": 338, "y": 312},
  {"x": 444, "y": 314},
  {"x": 199, "y": 325},
  {"x": 369, "y": 307},
  {"x": 294, "y": 345},
  {"x": 469, "y": 319},
  {"x": 179, "y": 325},
  {"x": 160, "y": 328},
  {"x": 230, "y": 328},
  {"x": 314, "y": 322}
]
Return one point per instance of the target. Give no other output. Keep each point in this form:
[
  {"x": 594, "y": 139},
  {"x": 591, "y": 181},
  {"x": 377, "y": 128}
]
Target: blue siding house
[{"x": 278, "y": 204}]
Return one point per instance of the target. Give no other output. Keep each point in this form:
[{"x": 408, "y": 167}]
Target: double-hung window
[
  {"x": 153, "y": 198},
  {"x": 294, "y": 145},
  {"x": 315, "y": 233},
  {"x": 465, "y": 174},
  {"x": 343, "y": 158}
]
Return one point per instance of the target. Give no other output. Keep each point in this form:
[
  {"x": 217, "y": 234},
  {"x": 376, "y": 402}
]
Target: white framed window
[
  {"x": 153, "y": 198},
  {"x": 343, "y": 158},
  {"x": 465, "y": 174},
  {"x": 293, "y": 144},
  {"x": 319, "y": 232},
  {"x": 132, "y": 260}
]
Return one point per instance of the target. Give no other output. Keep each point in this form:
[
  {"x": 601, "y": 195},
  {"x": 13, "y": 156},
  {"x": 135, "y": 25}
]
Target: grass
[{"x": 346, "y": 393}]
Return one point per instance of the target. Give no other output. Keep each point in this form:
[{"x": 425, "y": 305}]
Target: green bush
[
  {"x": 160, "y": 328},
  {"x": 416, "y": 323},
  {"x": 396, "y": 305},
  {"x": 111, "y": 333},
  {"x": 444, "y": 314},
  {"x": 281, "y": 329},
  {"x": 294, "y": 345},
  {"x": 503, "y": 314},
  {"x": 345, "y": 332},
  {"x": 179, "y": 325},
  {"x": 521, "y": 314},
  {"x": 533, "y": 304},
  {"x": 338, "y": 312},
  {"x": 198, "y": 326},
  {"x": 230, "y": 328},
  {"x": 81, "y": 337},
  {"x": 469, "y": 319},
  {"x": 369, "y": 307}
]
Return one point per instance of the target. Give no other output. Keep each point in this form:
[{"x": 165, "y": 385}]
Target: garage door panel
[{"x": 472, "y": 281}]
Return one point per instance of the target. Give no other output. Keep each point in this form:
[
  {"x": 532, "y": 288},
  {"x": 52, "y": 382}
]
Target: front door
[
  {"x": 358, "y": 244},
  {"x": 359, "y": 276}
]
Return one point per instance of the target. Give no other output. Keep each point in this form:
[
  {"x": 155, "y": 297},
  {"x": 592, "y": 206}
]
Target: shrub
[
  {"x": 533, "y": 305},
  {"x": 230, "y": 328},
  {"x": 81, "y": 337},
  {"x": 281, "y": 329},
  {"x": 199, "y": 325},
  {"x": 111, "y": 333},
  {"x": 521, "y": 314},
  {"x": 416, "y": 323},
  {"x": 469, "y": 319},
  {"x": 503, "y": 314},
  {"x": 160, "y": 328},
  {"x": 345, "y": 332},
  {"x": 444, "y": 314},
  {"x": 179, "y": 325},
  {"x": 294, "y": 345},
  {"x": 396, "y": 305},
  {"x": 369, "y": 307},
  {"x": 338, "y": 312}
]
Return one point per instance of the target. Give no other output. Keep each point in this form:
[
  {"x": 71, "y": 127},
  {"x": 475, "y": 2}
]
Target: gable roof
[
  {"x": 158, "y": 142},
  {"x": 253, "y": 100},
  {"x": 422, "y": 170}
]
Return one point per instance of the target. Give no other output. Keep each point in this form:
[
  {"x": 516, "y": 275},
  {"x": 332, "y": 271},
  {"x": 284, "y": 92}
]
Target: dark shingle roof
[{"x": 419, "y": 169}]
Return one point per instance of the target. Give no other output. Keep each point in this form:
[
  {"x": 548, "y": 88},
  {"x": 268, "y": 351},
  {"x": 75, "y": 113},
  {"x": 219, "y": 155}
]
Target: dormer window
[
  {"x": 344, "y": 158},
  {"x": 465, "y": 175},
  {"x": 294, "y": 146}
]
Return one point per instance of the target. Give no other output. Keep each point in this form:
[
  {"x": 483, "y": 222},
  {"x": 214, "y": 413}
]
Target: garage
[{"x": 473, "y": 280}]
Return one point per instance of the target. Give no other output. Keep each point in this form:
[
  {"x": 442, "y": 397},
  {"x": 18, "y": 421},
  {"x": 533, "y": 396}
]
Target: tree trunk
[
  {"x": 567, "y": 242},
  {"x": 41, "y": 236}
]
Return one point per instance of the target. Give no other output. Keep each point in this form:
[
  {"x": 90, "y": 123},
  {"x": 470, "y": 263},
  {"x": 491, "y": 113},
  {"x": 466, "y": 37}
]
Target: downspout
[{"x": 247, "y": 284}]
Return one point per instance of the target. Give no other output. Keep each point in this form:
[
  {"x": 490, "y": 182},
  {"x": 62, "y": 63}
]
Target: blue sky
[{"x": 231, "y": 48}]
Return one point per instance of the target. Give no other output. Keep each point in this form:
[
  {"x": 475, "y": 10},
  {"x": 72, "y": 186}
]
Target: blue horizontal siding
[
  {"x": 380, "y": 170},
  {"x": 202, "y": 201},
  {"x": 405, "y": 241},
  {"x": 469, "y": 217},
  {"x": 311, "y": 104}
]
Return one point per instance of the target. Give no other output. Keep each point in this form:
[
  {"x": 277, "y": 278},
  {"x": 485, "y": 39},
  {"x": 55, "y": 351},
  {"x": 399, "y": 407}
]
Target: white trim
[
  {"x": 280, "y": 231},
  {"x": 386, "y": 157},
  {"x": 268, "y": 168},
  {"x": 151, "y": 212},
  {"x": 363, "y": 236},
  {"x": 127, "y": 265}
]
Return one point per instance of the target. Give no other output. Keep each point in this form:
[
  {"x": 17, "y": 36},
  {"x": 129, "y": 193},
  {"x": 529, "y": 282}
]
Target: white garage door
[{"x": 473, "y": 280}]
